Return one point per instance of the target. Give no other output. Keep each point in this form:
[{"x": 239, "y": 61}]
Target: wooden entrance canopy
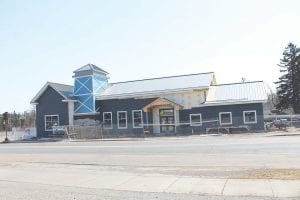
[{"x": 161, "y": 102}]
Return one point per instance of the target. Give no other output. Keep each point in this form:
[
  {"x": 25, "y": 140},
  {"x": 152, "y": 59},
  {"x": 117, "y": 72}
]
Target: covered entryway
[
  {"x": 167, "y": 120},
  {"x": 165, "y": 116}
]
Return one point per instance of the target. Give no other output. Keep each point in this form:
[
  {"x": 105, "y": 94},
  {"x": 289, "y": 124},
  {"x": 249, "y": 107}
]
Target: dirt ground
[{"x": 281, "y": 174}]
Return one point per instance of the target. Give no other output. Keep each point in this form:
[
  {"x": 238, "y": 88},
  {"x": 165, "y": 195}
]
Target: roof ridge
[
  {"x": 237, "y": 83},
  {"x": 91, "y": 67},
  {"x": 49, "y": 82},
  {"x": 146, "y": 79}
]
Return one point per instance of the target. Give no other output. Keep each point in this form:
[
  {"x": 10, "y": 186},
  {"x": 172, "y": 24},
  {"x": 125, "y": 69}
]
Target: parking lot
[{"x": 227, "y": 165}]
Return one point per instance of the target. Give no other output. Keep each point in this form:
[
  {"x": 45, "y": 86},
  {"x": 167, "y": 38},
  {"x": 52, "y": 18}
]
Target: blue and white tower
[{"x": 90, "y": 81}]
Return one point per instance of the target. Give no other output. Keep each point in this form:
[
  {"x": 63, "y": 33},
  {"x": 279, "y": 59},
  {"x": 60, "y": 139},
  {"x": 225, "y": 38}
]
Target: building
[{"x": 167, "y": 105}]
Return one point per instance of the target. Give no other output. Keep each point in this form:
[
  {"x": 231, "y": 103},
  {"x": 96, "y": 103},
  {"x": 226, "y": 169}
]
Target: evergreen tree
[{"x": 288, "y": 89}]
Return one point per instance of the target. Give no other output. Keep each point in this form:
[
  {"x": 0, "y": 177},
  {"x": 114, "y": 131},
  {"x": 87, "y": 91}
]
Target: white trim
[
  {"x": 196, "y": 124},
  {"x": 56, "y": 115},
  {"x": 220, "y": 121},
  {"x": 69, "y": 100},
  {"x": 125, "y": 118},
  {"x": 91, "y": 113},
  {"x": 255, "y": 122},
  {"x": 111, "y": 122},
  {"x": 142, "y": 123},
  {"x": 207, "y": 103}
]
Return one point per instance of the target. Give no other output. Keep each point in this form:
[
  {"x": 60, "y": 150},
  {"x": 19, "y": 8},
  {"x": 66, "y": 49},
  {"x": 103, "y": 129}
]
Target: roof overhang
[
  {"x": 161, "y": 102},
  {"x": 148, "y": 93},
  {"x": 231, "y": 102}
]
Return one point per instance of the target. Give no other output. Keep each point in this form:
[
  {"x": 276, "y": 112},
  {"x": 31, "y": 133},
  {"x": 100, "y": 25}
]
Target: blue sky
[{"x": 44, "y": 41}]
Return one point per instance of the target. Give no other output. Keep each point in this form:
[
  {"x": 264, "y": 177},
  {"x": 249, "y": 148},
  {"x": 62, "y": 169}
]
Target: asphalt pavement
[{"x": 196, "y": 167}]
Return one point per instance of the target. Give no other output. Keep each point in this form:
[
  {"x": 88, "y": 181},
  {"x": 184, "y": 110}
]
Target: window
[
  {"x": 225, "y": 118},
  {"x": 137, "y": 119},
  {"x": 122, "y": 119},
  {"x": 195, "y": 120},
  {"x": 250, "y": 117},
  {"x": 166, "y": 112},
  {"x": 51, "y": 121},
  {"x": 107, "y": 120}
]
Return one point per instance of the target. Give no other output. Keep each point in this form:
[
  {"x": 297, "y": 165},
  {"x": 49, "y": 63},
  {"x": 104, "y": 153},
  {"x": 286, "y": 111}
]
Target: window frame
[
  {"x": 119, "y": 118},
  {"x": 111, "y": 122},
  {"x": 142, "y": 123},
  {"x": 196, "y": 124},
  {"x": 255, "y": 122},
  {"x": 220, "y": 119},
  {"x": 45, "y": 121}
]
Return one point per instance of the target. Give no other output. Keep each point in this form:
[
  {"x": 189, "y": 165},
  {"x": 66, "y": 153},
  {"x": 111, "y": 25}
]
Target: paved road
[
  {"x": 173, "y": 160},
  {"x": 198, "y": 152},
  {"x": 166, "y": 146}
]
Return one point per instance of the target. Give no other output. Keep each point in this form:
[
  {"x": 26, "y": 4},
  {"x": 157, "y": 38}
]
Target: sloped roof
[
  {"x": 66, "y": 91},
  {"x": 161, "y": 102},
  {"x": 237, "y": 92},
  {"x": 90, "y": 67},
  {"x": 157, "y": 85}
]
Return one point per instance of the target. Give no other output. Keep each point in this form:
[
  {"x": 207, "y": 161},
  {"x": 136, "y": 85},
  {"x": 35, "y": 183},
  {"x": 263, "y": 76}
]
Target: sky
[{"x": 47, "y": 40}]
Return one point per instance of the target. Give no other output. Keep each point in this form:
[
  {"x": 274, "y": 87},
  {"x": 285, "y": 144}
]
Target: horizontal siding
[
  {"x": 115, "y": 105},
  {"x": 208, "y": 114},
  {"x": 50, "y": 103},
  {"x": 212, "y": 113}
]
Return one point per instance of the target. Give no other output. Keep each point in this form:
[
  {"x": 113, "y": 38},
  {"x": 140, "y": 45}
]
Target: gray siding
[
  {"x": 50, "y": 103},
  {"x": 115, "y": 105},
  {"x": 210, "y": 113}
]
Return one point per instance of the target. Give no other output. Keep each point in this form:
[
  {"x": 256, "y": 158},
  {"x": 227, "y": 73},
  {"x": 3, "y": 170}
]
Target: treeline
[{"x": 23, "y": 120}]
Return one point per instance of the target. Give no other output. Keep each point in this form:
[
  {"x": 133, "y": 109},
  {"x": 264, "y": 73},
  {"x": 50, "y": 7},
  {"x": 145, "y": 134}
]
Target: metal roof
[
  {"x": 158, "y": 85},
  {"x": 90, "y": 67},
  {"x": 238, "y": 92},
  {"x": 61, "y": 87},
  {"x": 66, "y": 91}
]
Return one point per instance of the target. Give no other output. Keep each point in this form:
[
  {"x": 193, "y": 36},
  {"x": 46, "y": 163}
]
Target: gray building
[{"x": 184, "y": 104}]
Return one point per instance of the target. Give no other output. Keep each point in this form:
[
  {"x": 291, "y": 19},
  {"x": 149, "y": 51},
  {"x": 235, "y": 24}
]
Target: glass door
[{"x": 167, "y": 120}]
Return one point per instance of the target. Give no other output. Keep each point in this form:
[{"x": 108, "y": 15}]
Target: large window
[
  {"x": 250, "y": 117},
  {"x": 137, "y": 119},
  {"x": 107, "y": 120},
  {"x": 195, "y": 120},
  {"x": 225, "y": 118},
  {"x": 122, "y": 119},
  {"x": 51, "y": 121}
]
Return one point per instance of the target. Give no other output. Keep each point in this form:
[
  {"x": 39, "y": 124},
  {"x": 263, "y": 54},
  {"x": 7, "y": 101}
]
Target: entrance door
[{"x": 166, "y": 119}]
